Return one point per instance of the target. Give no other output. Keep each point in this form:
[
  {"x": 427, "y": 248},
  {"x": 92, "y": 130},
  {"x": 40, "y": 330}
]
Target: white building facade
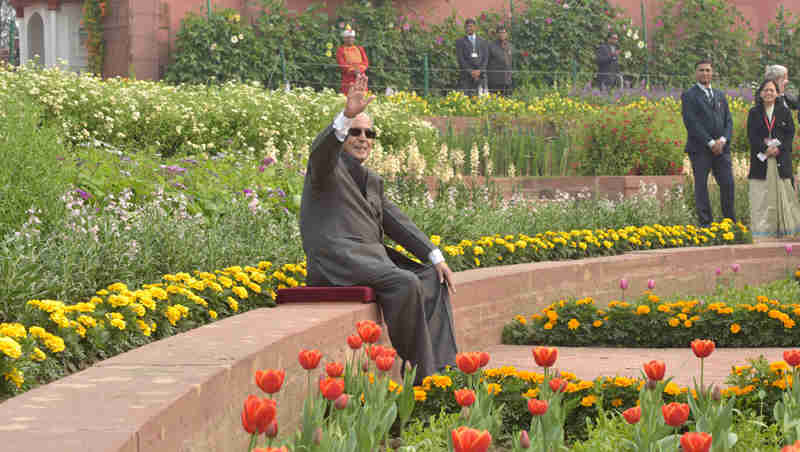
[{"x": 53, "y": 36}]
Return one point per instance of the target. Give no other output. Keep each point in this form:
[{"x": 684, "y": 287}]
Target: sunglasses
[{"x": 356, "y": 132}]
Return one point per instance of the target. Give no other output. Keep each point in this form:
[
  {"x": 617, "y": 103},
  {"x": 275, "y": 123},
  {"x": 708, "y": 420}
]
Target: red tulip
[
  {"x": 257, "y": 414},
  {"x": 695, "y": 442},
  {"x": 675, "y": 414},
  {"x": 792, "y": 357},
  {"x": 354, "y": 341},
  {"x": 271, "y": 449},
  {"x": 655, "y": 370},
  {"x": 464, "y": 397},
  {"x": 792, "y": 447},
  {"x": 384, "y": 362},
  {"x": 334, "y": 369},
  {"x": 389, "y": 351},
  {"x": 484, "y": 359},
  {"x": 632, "y": 415},
  {"x": 374, "y": 351},
  {"x": 466, "y": 439},
  {"x": 702, "y": 347},
  {"x": 537, "y": 407},
  {"x": 309, "y": 359},
  {"x": 469, "y": 363},
  {"x": 272, "y": 429},
  {"x": 341, "y": 402},
  {"x": 270, "y": 380},
  {"x": 545, "y": 356},
  {"x": 331, "y": 388},
  {"x": 558, "y": 384},
  {"x": 369, "y": 331}
]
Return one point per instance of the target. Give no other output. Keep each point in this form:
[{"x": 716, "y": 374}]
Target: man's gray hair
[{"x": 774, "y": 72}]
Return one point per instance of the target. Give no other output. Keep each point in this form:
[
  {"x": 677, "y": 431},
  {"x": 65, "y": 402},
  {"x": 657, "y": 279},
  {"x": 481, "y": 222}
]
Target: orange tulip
[
  {"x": 272, "y": 429},
  {"x": 270, "y": 380},
  {"x": 792, "y": 357},
  {"x": 655, "y": 370},
  {"x": 695, "y": 442},
  {"x": 792, "y": 447},
  {"x": 309, "y": 359},
  {"x": 675, "y": 414},
  {"x": 702, "y": 347},
  {"x": 334, "y": 369},
  {"x": 558, "y": 384},
  {"x": 354, "y": 341},
  {"x": 374, "y": 351},
  {"x": 369, "y": 331},
  {"x": 341, "y": 402},
  {"x": 466, "y": 439},
  {"x": 464, "y": 397},
  {"x": 257, "y": 414},
  {"x": 384, "y": 362},
  {"x": 331, "y": 388},
  {"x": 469, "y": 363},
  {"x": 545, "y": 356},
  {"x": 632, "y": 415},
  {"x": 537, "y": 407},
  {"x": 484, "y": 359}
]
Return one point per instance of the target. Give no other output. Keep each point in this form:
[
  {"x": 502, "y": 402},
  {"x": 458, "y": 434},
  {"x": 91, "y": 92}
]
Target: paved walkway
[{"x": 588, "y": 363}]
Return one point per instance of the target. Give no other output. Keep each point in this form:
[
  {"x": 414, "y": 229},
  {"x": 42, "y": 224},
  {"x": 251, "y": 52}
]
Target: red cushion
[{"x": 310, "y": 294}]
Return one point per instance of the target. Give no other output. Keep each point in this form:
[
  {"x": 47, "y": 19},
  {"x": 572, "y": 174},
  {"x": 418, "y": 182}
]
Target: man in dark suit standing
[
  {"x": 473, "y": 56},
  {"x": 607, "y": 59},
  {"x": 499, "y": 66},
  {"x": 344, "y": 215},
  {"x": 709, "y": 127}
]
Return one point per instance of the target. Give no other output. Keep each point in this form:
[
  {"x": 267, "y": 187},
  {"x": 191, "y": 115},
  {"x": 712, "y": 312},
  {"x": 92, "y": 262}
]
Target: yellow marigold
[
  {"x": 573, "y": 324},
  {"x": 588, "y": 400},
  {"x": 15, "y": 376},
  {"x": 548, "y": 326},
  {"x": 494, "y": 388},
  {"x": 778, "y": 367},
  {"x": 240, "y": 292},
  {"x": 38, "y": 354},
  {"x": 225, "y": 281},
  {"x": 143, "y": 327},
  {"x": 673, "y": 322},
  {"x": 653, "y": 298},
  {"x": 623, "y": 382},
  {"x": 687, "y": 323},
  {"x": 117, "y": 323},
  {"x": 442, "y": 381},
  {"x": 54, "y": 343},
  {"x": 117, "y": 287},
  {"x": 13, "y": 330},
  {"x": 597, "y": 323},
  {"x": 420, "y": 395},
  {"x": 233, "y": 304},
  {"x": 531, "y": 393},
  {"x": 735, "y": 328},
  {"x": 672, "y": 389},
  {"x": 521, "y": 319},
  {"x": 212, "y": 313},
  {"x": 10, "y": 347},
  {"x": 616, "y": 403},
  {"x": 642, "y": 310}
]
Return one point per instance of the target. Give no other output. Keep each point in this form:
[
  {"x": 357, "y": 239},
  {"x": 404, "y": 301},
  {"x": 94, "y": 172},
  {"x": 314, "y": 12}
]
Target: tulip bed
[
  {"x": 354, "y": 404},
  {"x": 748, "y": 320}
]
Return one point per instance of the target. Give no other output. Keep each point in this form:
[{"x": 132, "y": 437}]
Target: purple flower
[
  {"x": 718, "y": 271},
  {"x": 179, "y": 186},
  {"x": 548, "y": 21},
  {"x": 623, "y": 283},
  {"x": 659, "y": 24},
  {"x": 173, "y": 169},
  {"x": 735, "y": 268},
  {"x": 651, "y": 284},
  {"x": 788, "y": 249},
  {"x": 247, "y": 192},
  {"x": 267, "y": 161},
  {"x": 84, "y": 195},
  {"x": 439, "y": 40},
  {"x": 406, "y": 26},
  {"x": 281, "y": 193}
]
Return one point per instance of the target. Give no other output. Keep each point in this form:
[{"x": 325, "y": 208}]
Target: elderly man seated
[{"x": 343, "y": 217}]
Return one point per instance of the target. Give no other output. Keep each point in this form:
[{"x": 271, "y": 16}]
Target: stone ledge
[{"x": 185, "y": 393}]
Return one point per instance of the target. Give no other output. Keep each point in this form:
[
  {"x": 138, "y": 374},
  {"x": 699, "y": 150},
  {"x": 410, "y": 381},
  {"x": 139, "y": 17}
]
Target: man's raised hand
[{"x": 357, "y": 99}]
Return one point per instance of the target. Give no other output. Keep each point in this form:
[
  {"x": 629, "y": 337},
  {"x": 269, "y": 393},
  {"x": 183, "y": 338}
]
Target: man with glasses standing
[
  {"x": 473, "y": 56},
  {"x": 344, "y": 215},
  {"x": 709, "y": 128}
]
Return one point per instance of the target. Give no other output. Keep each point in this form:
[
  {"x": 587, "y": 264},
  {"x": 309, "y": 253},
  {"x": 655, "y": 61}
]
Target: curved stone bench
[{"x": 185, "y": 393}]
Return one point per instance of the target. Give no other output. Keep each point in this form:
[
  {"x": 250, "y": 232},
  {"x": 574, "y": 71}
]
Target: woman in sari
[
  {"x": 352, "y": 59},
  {"x": 774, "y": 208}
]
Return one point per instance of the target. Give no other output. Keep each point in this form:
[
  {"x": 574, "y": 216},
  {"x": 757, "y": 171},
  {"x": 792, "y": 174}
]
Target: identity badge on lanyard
[{"x": 770, "y": 124}]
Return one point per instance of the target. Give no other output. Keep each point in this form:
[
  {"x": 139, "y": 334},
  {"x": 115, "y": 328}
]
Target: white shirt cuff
[
  {"x": 761, "y": 156},
  {"x": 723, "y": 140},
  {"x": 341, "y": 125},
  {"x": 435, "y": 256},
  {"x": 710, "y": 143}
]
